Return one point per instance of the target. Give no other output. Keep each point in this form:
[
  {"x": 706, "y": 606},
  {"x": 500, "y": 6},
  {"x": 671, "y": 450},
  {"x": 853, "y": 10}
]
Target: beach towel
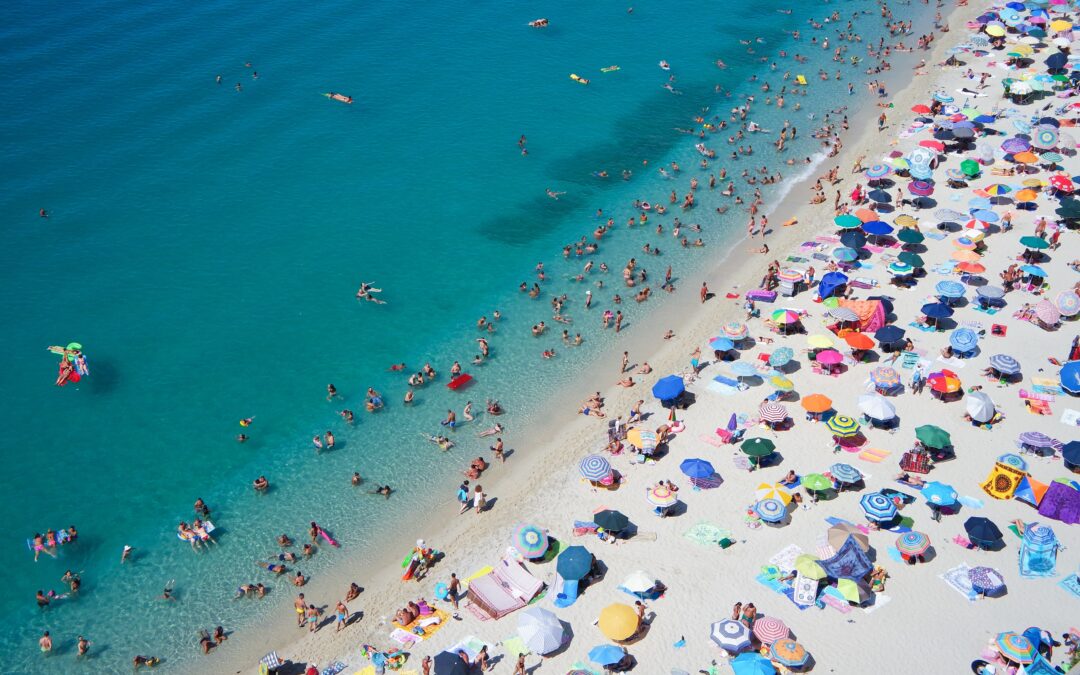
[
  {"x": 1071, "y": 584},
  {"x": 707, "y": 534},
  {"x": 805, "y": 591},
  {"x": 833, "y": 598},
  {"x": 958, "y": 580},
  {"x": 404, "y": 638},
  {"x": 334, "y": 668},
  {"x": 471, "y": 645},
  {"x": 514, "y": 646},
  {"x": 875, "y": 455},
  {"x": 427, "y": 625},
  {"x": 1070, "y": 418},
  {"x": 785, "y": 559},
  {"x": 1035, "y": 396}
]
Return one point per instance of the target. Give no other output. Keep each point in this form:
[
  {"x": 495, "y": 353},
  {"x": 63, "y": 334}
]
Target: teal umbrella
[{"x": 758, "y": 447}]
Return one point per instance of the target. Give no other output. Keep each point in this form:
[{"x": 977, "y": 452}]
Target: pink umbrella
[
  {"x": 1047, "y": 312},
  {"x": 769, "y": 629},
  {"x": 830, "y": 357},
  {"x": 773, "y": 412}
]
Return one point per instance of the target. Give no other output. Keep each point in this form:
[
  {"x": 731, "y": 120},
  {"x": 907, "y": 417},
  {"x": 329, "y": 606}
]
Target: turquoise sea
[{"x": 205, "y": 244}]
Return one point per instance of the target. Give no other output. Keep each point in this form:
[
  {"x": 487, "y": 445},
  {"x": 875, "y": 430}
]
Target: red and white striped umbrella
[
  {"x": 769, "y": 629},
  {"x": 773, "y": 412}
]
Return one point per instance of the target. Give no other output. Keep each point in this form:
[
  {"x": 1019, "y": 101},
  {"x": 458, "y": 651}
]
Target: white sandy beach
[{"x": 920, "y": 623}]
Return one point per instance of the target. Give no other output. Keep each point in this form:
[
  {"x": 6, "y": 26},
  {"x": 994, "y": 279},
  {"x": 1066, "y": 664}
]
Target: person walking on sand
[
  {"x": 463, "y": 496},
  {"x": 704, "y": 291},
  {"x": 625, "y": 362},
  {"x": 480, "y": 499},
  {"x": 519, "y": 668},
  {"x": 453, "y": 589},
  {"x": 341, "y": 613}
]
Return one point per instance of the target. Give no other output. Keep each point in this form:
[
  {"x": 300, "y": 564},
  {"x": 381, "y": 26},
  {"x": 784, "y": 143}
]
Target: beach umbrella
[
  {"x": 876, "y": 406},
  {"x": 669, "y": 388},
  {"x": 843, "y": 426},
  {"x": 847, "y": 222},
  {"x": 1033, "y": 270},
  {"x": 1047, "y": 312},
  {"x": 985, "y": 580},
  {"x": 1025, "y": 157},
  {"x": 606, "y": 655},
  {"x": 963, "y": 340},
  {"x": 971, "y": 267},
  {"x": 1051, "y": 157},
  {"x": 838, "y": 534},
  {"x": 816, "y": 403},
  {"x": 639, "y": 582},
  {"x": 912, "y": 543},
  {"x": 877, "y": 227},
  {"x": 854, "y": 591},
  {"x": 981, "y": 529},
  {"x": 781, "y": 383},
  {"x": 789, "y": 653},
  {"x": 790, "y": 275},
  {"x": 770, "y": 510},
  {"x": 730, "y": 635},
  {"x": 1015, "y": 144},
  {"x": 889, "y": 334},
  {"x": 965, "y": 256},
  {"x": 1036, "y": 439},
  {"x": 969, "y": 167},
  {"x": 595, "y": 468},
  {"x": 819, "y": 341},
  {"x": 997, "y": 189},
  {"x": 450, "y": 664},
  {"x": 910, "y": 258},
  {"x": 853, "y": 239},
  {"x": 910, "y": 236},
  {"x": 829, "y": 357},
  {"x": 758, "y": 447},
  {"x": 772, "y": 412},
  {"x": 944, "y": 382},
  {"x": 878, "y": 507},
  {"x": 932, "y": 436},
  {"x": 949, "y": 289},
  {"x": 936, "y": 310},
  {"x": 885, "y": 376},
  {"x": 697, "y": 468},
  {"x": 1061, "y": 183},
  {"x": 781, "y": 357},
  {"x": 879, "y": 196},
  {"x": 877, "y": 171},
  {"x": 641, "y": 438},
  {"x": 1068, "y": 303},
  {"x": 966, "y": 243},
  {"x": 744, "y": 369},
  {"x": 735, "y": 330},
  {"x": 618, "y": 621},
  {"x": 845, "y": 473},
  {"x": 808, "y": 566},
  {"x": 661, "y": 495},
  {"x": 785, "y": 316},
  {"x": 769, "y": 629},
  {"x": 980, "y": 406},
  {"x": 772, "y": 491},
  {"x": 990, "y": 292},
  {"x": 939, "y": 493},
  {"x": 1013, "y": 460},
  {"x": 752, "y": 663},
  {"x": 540, "y": 630},
  {"x": 1070, "y": 377},
  {"x": 530, "y": 540},
  {"x": 1033, "y": 242},
  {"x": 1044, "y": 137},
  {"x": 611, "y": 520},
  {"x": 859, "y": 341},
  {"x": 900, "y": 268},
  {"x": 950, "y": 214},
  {"x": 815, "y": 482},
  {"x": 1015, "y": 647},
  {"x": 1026, "y": 196},
  {"x": 574, "y": 563},
  {"x": 721, "y": 344},
  {"x": 921, "y": 188},
  {"x": 843, "y": 314},
  {"x": 1005, "y": 364},
  {"x": 866, "y": 215},
  {"x": 845, "y": 254}
]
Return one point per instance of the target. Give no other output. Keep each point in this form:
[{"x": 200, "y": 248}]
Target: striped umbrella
[
  {"x": 770, "y": 510},
  {"x": 845, "y": 473},
  {"x": 920, "y": 188},
  {"x": 912, "y": 543},
  {"x": 769, "y": 629},
  {"x": 1013, "y": 460},
  {"x": 1036, "y": 439},
  {"x": 1005, "y": 364},
  {"x": 900, "y": 268},
  {"x": 772, "y": 491},
  {"x": 788, "y": 274},
  {"x": 730, "y": 635},
  {"x": 967, "y": 243},
  {"x": 877, "y": 171},
  {"x": 530, "y": 540},
  {"x": 843, "y": 426},
  {"x": 1015, "y": 647},
  {"x": 878, "y": 507},
  {"x": 1051, "y": 157},
  {"x": 845, "y": 254},
  {"x": 734, "y": 329},
  {"x": 661, "y": 495},
  {"x": 843, "y": 314},
  {"x": 997, "y": 189},
  {"x": 1068, "y": 303},
  {"x": 785, "y": 316},
  {"x": 781, "y": 357},
  {"x": 1047, "y": 312},
  {"x": 641, "y": 438},
  {"x": 789, "y": 653},
  {"x": 595, "y": 468},
  {"x": 885, "y": 377},
  {"x": 772, "y": 412},
  {"x": 949, "y": 289},
  {"x": 964, "y": 339},
  {"x": 985, "y": 580},
  {"x": 781, "y": 383}
]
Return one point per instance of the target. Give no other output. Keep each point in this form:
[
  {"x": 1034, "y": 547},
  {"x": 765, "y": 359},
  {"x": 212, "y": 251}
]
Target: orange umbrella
[
  {"x": 971, "y": 267},
  {"x": 866, "y": 215},
  {"x": 859, "y": 341},
  {"x": 1026, "y": 196},
  {"x": 1025, "y": 158},
  {"x": 965, "y": 256},
  {"x": 816, "y": 403}
]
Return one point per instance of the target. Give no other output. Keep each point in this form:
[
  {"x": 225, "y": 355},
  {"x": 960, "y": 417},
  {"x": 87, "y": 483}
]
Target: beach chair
[{"x": 269, "y": 663}]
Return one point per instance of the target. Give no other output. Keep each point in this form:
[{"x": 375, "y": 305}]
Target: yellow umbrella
[
  {"x": 904, "y": 220},
  {"x": 807, "y": 565},
  {"x": 772, "y": 491},
  {"x": 618, "y": 621},
  {"x": 1034, "y": 182},
  {"x": 965, "y": 256},
  {"x": 963, "y": 243},
  {"x": 1060, "y": 25},
  {"x": 819, "y": 341},
  {"x": 995, "y": 31},
  {"x": 1026, "y": 50}
]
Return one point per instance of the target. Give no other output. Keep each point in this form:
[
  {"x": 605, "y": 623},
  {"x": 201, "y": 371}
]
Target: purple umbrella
[
  {"x": 986, "y": 580},
  {"x": 1037, "y": 439},
  {"x": 920, "y": 188},
  {"x": 1015, "y": 145}
]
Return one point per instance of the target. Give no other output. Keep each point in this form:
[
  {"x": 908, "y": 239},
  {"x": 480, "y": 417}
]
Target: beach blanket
[
  {"x": 428, "y": 625},
  {"x": 805, "y": 591},
  {"x": 1071, "y": 584},
  {"x": 871, "y": 313},
  {"x": 1070, "y": 418},
  {"x": 334, "y": 668},
  {"x": 707, "y": 534},
  {"x": 958, "y": 580},
  {"x": 833, "y": 598},
  {"x": 875, "y": 455},
  {"x": 404, "y": 638},
  {"x": 514, "y": 646},
  {"x": 785, "y": 559}
]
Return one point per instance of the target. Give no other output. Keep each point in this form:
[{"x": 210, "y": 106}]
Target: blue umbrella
[
  {"x": 985, "y": 215},
  {"x": 877, "y": 227},
  {"x": 845, "y": 254},
  {"x": 697, "y": 468},
  {"x": 889, "y": 334},
  {"x": 669, "y": 388},
  {"x": 770, "y": 510},
  {"x": 985, "y": 119},
  {"x": 1070, "y": 452},
  {"x": 939, "y": 493},
  {"x": 950, "y": 289},
  {"x": 1033, "y": 270},
  {"x": 1014, "y": 460},
  {"x": 878, "y": 506},
  {"x": 781, "y": 357},
  {"x": 963, "y": 340},
  {"x": 722, "y": 344},
  {"x": 595, "y": 468},
  {"x": 744, "y": 369},
  {"x": 605, "y": 655},
  {"x": 845, "y": 473},
  {"x": 752, "y": 663},
  {"x": 879, "y": 196},
  {"x": 979, "y": 203},
  {"x": 853, "y": 239},
  {"x": 1070, "y": 377},
  {"x": 982, "y": 530},
  {"x": 936, "y": 310},
  {"x": 990, "y": 292},
  {"x": 1005, "y": 364},
  {"x": 574, "y": 563}
]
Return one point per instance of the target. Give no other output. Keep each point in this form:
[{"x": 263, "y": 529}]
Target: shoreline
[{"x": 692, "y": 329}]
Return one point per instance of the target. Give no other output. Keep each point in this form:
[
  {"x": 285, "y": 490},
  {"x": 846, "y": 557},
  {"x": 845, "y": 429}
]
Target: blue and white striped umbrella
[
  {"x": 730, "y": 635},
  {"x": 845, "y": 473},
  {"x": 878, "y": 507},
  {"x": 1005, "y": 364},
  {"x": 770, "y": 510},
  {"x": 949, "y": 289},
  {"x": 963, "y": 339},
  {"x": 595, "y": 468}
]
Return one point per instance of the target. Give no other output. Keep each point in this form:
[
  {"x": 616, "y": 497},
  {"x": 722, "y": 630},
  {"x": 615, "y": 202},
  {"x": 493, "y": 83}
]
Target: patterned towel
[
  {"x": 1072, "y": 585},
  {"x": 785, "y": 559},
  {"x": 957, "y": 579},
  {"x": 707, "y": 534}
]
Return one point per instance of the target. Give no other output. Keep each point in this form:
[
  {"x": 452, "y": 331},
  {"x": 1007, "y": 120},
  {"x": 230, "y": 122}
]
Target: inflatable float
[
  {"x": 326, "y": 535},
  {"x": 577, "y": 78},
  {"x": 664, "y": 65},
  {"x": 459, "y": 381},
  {"x": 609, "y": 69},
  {"x": 800, "y": 79}
]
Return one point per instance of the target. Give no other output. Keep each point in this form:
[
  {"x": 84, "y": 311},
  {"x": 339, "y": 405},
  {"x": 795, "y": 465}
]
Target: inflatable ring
[{"x": 645, "y": 206}]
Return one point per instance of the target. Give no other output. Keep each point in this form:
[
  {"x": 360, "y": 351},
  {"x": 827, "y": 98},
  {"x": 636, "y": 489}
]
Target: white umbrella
[
  {"x": 540, "y": 630},
  {"x": 639, "y": 582},
  {"x": 877, "y": 407},
  {"x": 1020, "y": 87},
  {"x": 980, "y": 406}
]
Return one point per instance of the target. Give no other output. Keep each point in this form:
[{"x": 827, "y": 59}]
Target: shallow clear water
[{"x": 204, "y": 245}]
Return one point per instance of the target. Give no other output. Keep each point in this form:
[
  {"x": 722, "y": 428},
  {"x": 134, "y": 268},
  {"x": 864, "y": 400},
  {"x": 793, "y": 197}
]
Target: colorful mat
[
  {"x": 1072, "y": 585},
  {"x": 874, "y": 455},
  {"x": 957, "y": 579}
]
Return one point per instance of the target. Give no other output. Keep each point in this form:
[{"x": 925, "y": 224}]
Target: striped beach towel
[{"x": 874, "y": 455}]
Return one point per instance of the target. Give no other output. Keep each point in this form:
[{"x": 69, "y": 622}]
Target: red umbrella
[
  {"x": 1062, "y": 183},
  {"x": 921, "y": 109},
  {"x": 933, "y": 145},
  {"x": 944, "y": 382}
]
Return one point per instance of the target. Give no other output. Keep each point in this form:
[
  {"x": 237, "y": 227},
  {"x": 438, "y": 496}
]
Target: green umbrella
[
  {"x": 1034, "y": 242},
  {"x": 815, "y": 482},
  {"x": 910, "y": 236},
  {"x": 851, "y": 590},
  {"x": 758, "y": 447},
  {"x": 913, "y": 259},
  {"x": 807, "y": 565},
  {"x": 932, "y": 437},
  {"x": 970, "y": 167},
  {"x": 847, "y": 222}
]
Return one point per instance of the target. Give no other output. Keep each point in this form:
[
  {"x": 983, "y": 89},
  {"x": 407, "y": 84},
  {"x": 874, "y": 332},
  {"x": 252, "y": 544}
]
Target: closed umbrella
[
  {"x": 618, "y": 621},
  {"x": 730, "y": 635},
  {"x": 540, "y": 630},
  {"x": 981, "y": 408},
  {"x": 877, "y": 407},
  {"x": 845, "y": 473},
  {"x": 595, "y": 468},
  {"x": 878, "y": 507},
  {"x": 769, "y": 629},
  {"x": 843, "y": 426},
  {"x": 939, "y": 493}
]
